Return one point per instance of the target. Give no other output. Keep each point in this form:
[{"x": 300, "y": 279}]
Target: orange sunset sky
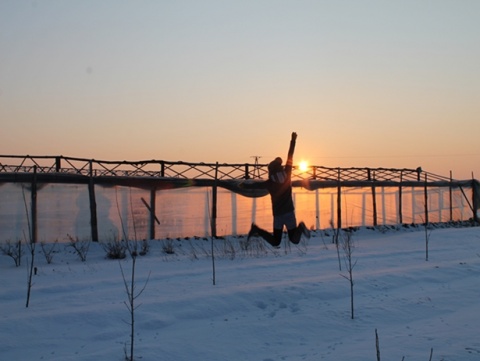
[{"x": 363, "y": 83}]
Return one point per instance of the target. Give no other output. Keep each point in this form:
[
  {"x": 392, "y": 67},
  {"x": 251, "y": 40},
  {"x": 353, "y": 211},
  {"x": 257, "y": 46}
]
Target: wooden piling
[
  {"x": 58, "y": 164},
  {"x": 213, "y": 220},
  {"x": 93, "y": 206},
  {"x": 153, "y": 217},
  {"x": 339, "y": 201},
  {"x": 152, "y": 212},
  {"x": 475, "y": 199},
  {"x": 426, "y": 200},
  {"x": 400, "y": 202},
  {"x": 34, "y": 230},
  {"x": 374, "y": 197},
  {"x": 450, "y": 196}
]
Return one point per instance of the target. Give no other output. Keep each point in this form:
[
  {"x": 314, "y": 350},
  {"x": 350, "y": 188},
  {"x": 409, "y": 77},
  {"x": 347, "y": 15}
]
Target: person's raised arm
[{"x": 291, "y": 150}]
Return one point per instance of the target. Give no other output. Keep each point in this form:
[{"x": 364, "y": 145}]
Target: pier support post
[
  {"x": 34, "y": 230},
  {"x": 400, "y": 200},
  {"x": 93, "y": 206},
  {"x": 426, "y": 200},
  {"x": 213, "y": 223},
  {"x": 476, "y": 199},
  {"x": 374, "y": 198},
  {"x": 152, "y": 212},
  {"x": 339, "y": 201}
]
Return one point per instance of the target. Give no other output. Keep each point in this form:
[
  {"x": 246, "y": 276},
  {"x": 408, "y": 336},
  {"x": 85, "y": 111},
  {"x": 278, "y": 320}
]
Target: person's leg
[
  {"x": 274, "y": 239},
  {"x": 295, "y": 234},
  {"x": 278, "y": 222},
  {"x": 305, "y": 230},
  {"x": 277, "y": 237}
]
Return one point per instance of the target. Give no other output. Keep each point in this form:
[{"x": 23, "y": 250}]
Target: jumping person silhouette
[{"x": 279, "y": 186}]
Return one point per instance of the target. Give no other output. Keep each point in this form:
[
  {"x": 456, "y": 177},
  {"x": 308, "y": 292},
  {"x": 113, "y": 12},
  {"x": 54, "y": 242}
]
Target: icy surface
[{"x": 286, "y": 304}]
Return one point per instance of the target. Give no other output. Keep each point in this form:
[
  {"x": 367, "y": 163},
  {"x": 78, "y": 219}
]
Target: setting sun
[{"x": 303, "y": 166}]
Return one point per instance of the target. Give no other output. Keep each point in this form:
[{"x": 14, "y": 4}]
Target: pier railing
[{"x": 10, "y": 164}]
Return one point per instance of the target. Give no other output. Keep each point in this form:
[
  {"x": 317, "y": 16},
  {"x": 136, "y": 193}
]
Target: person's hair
[{"x": 275, "y": 166}]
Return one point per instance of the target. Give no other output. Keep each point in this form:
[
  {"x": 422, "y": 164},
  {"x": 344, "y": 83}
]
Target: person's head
[
  {"x": 276, "y": 171},
  {"x": 275, "y": 166}
]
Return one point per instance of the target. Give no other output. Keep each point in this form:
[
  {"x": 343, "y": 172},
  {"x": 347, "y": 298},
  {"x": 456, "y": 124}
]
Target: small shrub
[
  {"x": 193, "y": 250},
  {"x": 80, "y": 247},
  {"x": 115, "y": 249},
  {"x": 253, "y": 247},
  {"x": 14, "y": 251},
  {"x": 132, "y": 248},
  {"x": 168, "y": 247},
  {"x": 49, "y": 250},
  {"x": 348, "y": 247},
  {"x": 145, "y": 248},
  {"x": 228, "y": 249}
]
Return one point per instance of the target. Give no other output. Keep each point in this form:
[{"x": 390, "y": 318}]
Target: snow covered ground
[{"x": 286, "y": 304}]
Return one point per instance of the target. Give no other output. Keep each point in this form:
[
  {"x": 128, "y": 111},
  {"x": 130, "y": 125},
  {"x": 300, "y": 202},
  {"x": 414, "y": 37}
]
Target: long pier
[
  {"x": 61, "y": 169},
  {"x": 155, "y": 175}
]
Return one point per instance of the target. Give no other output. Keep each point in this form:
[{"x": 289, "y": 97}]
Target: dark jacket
[{"x": 279, "y": 185}]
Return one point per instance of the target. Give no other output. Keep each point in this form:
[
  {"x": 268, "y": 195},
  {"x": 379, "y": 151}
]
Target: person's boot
[
  {"x": 267, "y": 236},
  {"x": 305, "y": 230},
  {"x": 253, "y": 231}
]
